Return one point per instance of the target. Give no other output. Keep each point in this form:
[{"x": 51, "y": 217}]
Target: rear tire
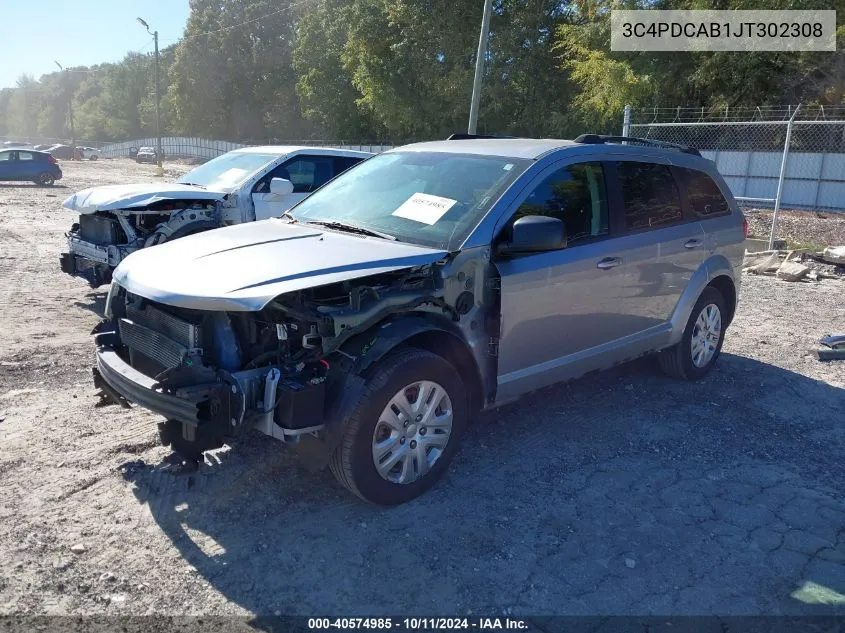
[
  {"x": 45, "y": 179},
  {"x": 421, "y": 443},
  {"x": 701, "y": 344}
]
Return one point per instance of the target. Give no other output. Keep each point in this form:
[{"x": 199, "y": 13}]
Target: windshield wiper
[
  {"x": 193, "y": 184},
  {"x": 289, "y": 216},
  {"x": 350, "y": 228}
]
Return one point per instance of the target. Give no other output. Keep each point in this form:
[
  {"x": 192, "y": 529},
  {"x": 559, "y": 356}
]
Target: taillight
[
  {"x": 52, "y": 159},
  {"x": 745, "y": 226}
]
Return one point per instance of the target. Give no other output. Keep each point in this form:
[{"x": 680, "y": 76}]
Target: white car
[
  {"x": 89, "y": 153},
  {"x": 253, "y": 183}
]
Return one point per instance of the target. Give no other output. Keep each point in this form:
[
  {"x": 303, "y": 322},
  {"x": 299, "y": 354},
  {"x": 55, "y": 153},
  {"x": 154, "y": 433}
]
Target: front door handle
[
  {"x": 608, "y": 262},
  {"x": 693, "y": 243}
]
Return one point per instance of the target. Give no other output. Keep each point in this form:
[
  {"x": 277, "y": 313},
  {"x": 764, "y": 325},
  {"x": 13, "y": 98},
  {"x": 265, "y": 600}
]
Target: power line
[
  {"x": 106, "y": 66},
  {"x": 239, "y": 24}
]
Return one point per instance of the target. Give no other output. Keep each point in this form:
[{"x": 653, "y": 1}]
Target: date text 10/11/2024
[{"x": 418, "y": 624}]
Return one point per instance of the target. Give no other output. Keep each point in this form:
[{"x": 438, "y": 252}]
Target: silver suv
[{"x": 370, "y": 323}]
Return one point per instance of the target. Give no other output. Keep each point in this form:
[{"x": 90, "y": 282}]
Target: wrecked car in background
[
  {"x": 368, "y": 324},
  {"x": 145, "y": 154},
  {"x": 248, "y": 184}
]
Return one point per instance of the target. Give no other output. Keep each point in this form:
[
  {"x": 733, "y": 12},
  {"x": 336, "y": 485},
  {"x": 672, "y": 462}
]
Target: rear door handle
[
  {"x": 693, "y": 243},
  {"x": 608, "y": 262}
]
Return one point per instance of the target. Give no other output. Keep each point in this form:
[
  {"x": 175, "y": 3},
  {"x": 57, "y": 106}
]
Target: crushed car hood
[
  {"x": 244, "y": 267},
  {"x": 111, "y": 197}
]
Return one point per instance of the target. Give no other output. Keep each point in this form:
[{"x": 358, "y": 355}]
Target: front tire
[
  {"x": 401, "y": 436},
  {"x": 695, "y": 355}
]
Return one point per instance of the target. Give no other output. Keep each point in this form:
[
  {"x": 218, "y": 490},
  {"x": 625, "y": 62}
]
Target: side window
[
  {"x": 704, "y": 195},
  {"x": 649, "y": 194},
  {"x": 25, "y": 156},
  {"x": 309, "y": 172},
  {"x": 342, "y": 163},
  {"x": 5, "y": 156},
  {"x": 575, "y": 194}
]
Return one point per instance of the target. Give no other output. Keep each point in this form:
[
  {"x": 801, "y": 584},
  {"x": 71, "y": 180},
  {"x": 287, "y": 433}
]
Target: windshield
[
  {"x": 433, "y": 199},
  {"x": 228, "y": 170}
]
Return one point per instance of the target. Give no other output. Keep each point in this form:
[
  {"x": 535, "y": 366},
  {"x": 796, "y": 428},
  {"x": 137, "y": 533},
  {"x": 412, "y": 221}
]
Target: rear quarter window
[{"x": 704, "y": 195}]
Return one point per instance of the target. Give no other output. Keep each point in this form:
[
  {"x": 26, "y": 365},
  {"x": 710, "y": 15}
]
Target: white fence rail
[{"x": 190, "y": 147}]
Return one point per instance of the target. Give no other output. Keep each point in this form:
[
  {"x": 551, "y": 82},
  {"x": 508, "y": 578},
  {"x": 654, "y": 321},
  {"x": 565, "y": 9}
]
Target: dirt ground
[{"x": 625, "y": 493}]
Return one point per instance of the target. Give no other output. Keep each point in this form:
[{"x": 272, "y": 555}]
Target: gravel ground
[
  {"x": 625, "y": 493},
  {"x": 800, "y": 227}
]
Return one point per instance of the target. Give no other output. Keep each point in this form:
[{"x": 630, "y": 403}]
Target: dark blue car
[{"x": 28, "y": 164}]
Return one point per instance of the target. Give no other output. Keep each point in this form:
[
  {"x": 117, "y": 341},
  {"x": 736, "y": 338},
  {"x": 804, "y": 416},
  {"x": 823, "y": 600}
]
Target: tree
[
  {"x": 327, "y": 95},
  {"x": 237, "y": 82}
]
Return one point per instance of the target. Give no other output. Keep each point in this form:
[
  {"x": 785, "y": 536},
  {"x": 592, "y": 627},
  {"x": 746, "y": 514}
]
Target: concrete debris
[
  {"x": 792, "y": 271},
  {"x": 762, "y": 262},
  {"x": 796, "y": 265},
  {"x": 834, "y": 254}
]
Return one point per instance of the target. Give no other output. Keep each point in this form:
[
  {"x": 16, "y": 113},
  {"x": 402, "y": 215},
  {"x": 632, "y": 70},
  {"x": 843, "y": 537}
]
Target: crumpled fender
[
  {"x": 185, "y": 222},
  {"x": 367, "y": 349}
]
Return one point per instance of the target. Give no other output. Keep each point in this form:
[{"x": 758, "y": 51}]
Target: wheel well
[
  {"x": 455, "y": 352},
  {"x": 726, "y": 287}
]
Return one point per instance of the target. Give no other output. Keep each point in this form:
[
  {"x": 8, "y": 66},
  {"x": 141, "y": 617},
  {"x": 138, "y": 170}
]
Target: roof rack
[
  {"x": 465, "y": 137},
  {"x": 601, "y": 139}
]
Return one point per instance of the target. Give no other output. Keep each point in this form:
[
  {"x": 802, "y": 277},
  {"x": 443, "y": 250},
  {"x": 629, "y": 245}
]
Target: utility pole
[
  {"x": 479, "y": 67},
  {"x": 158, "y": 98},
  {"x": 70, "y": 115}
]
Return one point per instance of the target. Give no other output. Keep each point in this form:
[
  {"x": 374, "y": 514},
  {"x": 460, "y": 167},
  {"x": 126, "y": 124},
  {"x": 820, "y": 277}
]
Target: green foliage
[
  {"x": 607, "y": 81},
  {"x": 397, "y": 70}
]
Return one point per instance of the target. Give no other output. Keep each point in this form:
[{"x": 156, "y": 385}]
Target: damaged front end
[
  {"x": 285, "y": 370},
  {"x": 100, "y": 240}
]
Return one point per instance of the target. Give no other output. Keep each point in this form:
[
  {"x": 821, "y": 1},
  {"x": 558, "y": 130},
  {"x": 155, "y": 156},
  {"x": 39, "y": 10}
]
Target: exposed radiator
[
  {"x": 185, "y": 333},
  {"x": 158, "y": 336},
  {"x": 100, "y": 230}
]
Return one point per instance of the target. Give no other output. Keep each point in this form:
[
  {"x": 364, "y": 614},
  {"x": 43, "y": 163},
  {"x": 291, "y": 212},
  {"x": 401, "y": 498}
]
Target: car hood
[
  {"x": 244, "y": 267},
  {"x": 112, "y": 197}
]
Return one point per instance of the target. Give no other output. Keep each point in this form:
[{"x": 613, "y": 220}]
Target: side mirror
[
  {"x": 535, "y": 234},
  {"x": 281, "y": 186}
]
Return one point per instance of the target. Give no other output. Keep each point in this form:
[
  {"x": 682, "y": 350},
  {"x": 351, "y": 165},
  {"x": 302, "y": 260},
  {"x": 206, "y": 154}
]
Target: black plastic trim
[{"x": 138, "y": 388}]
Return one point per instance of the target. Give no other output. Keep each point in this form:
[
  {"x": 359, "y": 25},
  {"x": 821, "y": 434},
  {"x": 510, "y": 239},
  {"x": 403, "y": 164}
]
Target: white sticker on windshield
[
  {"x": 231, "y": 176},
  {"x": 425, "y": 208}
]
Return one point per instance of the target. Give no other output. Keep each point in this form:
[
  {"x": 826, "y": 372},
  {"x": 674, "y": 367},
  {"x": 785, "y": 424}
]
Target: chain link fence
[{"x": 782, "y": 158}]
